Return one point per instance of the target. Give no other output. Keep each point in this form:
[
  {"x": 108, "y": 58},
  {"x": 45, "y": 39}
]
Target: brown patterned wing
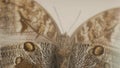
[
  {"x": 96, "y": 42},
  {"x": 18, "y": 16},
  {"x": 28, "y": 35}
]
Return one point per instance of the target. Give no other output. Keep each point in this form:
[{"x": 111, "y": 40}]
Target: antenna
[
  {"x": 58, "y": 18},
  {"x": 75, "y": 21}
]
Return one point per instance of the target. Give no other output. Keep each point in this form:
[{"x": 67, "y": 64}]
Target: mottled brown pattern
[
  {"x": 100, "y": 25},
  {"x": 27, "y": 16},
  {"x": 98, "y": 30},
  {"x": 29, "y": 38},
  {"x": 24, "y": 21}
]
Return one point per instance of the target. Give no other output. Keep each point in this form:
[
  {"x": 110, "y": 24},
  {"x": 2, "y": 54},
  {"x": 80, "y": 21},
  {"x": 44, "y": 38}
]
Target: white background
[{"x": 69, "y": 10}]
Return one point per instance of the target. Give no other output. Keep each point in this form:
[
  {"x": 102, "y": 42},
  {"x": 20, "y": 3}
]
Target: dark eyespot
[
  {"x": 18, "y": 60},
  {"x": 98, "y": 50},
  {"x": 29, "y": 46}
]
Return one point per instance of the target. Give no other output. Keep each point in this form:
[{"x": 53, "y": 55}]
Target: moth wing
[
  {"x": 18, "y": 16},
  {"x": 96, "y": 42},
  {"x": 28, "y": 55},
  {"x": 21, "y": 22}
]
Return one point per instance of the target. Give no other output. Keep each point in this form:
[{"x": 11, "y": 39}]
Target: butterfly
[{"x": 30, "y": 38}]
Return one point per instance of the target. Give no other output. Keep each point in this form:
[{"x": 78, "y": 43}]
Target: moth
[{"x": 30, "y": 38}]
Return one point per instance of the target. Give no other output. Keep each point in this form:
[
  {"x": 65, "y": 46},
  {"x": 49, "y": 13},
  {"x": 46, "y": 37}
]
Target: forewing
[
  {"x": 23, "y": 16},
  {"x": 28, "y": 35},
  {"x": 95, "y": 42}
]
